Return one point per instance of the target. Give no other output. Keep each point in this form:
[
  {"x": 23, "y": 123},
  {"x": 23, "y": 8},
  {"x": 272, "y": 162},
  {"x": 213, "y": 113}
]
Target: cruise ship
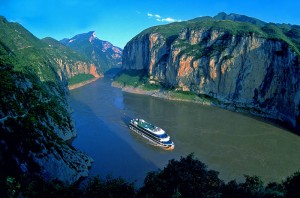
[{"x": 153, "y": 133}]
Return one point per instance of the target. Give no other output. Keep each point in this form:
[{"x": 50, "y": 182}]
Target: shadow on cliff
[
  {"x": 101, "y": 136},
  {"x": 112, "y": 72},
  {"x": 275, "y": 70}
]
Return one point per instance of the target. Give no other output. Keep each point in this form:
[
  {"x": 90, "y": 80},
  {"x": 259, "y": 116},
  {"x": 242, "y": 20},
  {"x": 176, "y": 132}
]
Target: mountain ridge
[
  {"x": 71, "y": 63},
  {"x": 238, "y": 63},
  {"x": 35, "y": 115},
  {"x": 236, "y": 24},
  {"x": 105, "y": 55}
]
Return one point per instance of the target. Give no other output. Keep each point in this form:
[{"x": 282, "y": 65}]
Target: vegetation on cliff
[
  {"x": 234, "y": 24},
  {"x": 237, "y": 61},
  {"x": 139, "y": 79},
  {"x": 35, "y": 115},
  {"x": 24, "y": 50},
  {"x": 80, "y": 78},
  {"x": 56, "y": 49},
  {"x": 187, "y": 177},
  {"x": 102, "y": 53},
  {"x": 135, "y": 78}
]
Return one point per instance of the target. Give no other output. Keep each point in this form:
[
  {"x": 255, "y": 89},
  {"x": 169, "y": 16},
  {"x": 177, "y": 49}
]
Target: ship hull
[{"x": 144, "y": 133}]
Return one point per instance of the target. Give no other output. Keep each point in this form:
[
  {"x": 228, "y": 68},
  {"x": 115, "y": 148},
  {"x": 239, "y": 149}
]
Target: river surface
[{"x": 231, "y": 143}]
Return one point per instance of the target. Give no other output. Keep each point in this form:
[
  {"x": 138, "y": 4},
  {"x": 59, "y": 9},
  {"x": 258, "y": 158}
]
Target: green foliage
[
  {"x": 136, "y": 78},
  {"x": 166, "y": 30},
  {"x": 18, "y": 47},
  {"x": 149, "y": 87},
  {"x": 191, "y": 96},
  {"x": 274, "y": 190},
  {"x": 23, "y": 50},
  {"x": 201, "y": 49},
  {"x": 237, "y": 25},
  {"x": 13, "y": 186},
  {"x": 31, "y": 111},
  {"x": 252, "y": 187},
  {"x": 292, "y": 185},
  {"x": 276, "y": 33},
  {"x": 56, "y": 49},
  {"x": 132, "y": 77},
  {"x": 109, "y": 187},
  {"x": 186, "y": 178},
  {"x": 139, "y": 78},
  {"x": 184, "y": 95},
  {"x": 36, "y": 187},
  {"x": 102, "y": 53},
  {"x": 80, "y": 78},
  {"x": 31, "y": 186},
  {"x": 240, "y": 18}
]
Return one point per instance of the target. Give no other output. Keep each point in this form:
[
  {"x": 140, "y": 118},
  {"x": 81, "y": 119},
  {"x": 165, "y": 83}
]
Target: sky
[{"x": 117, "y": 21}]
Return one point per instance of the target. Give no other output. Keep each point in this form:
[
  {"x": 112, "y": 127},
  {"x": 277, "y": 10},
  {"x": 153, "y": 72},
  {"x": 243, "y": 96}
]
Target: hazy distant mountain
[{"x": 105, "y": 55}]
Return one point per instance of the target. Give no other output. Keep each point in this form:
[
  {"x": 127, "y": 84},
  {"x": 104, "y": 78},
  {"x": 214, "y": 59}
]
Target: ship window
[{"x": 162, "y": 135}]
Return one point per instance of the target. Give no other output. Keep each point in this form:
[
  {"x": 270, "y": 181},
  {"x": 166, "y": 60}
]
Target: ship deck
[{"x": 147, "y": 125}]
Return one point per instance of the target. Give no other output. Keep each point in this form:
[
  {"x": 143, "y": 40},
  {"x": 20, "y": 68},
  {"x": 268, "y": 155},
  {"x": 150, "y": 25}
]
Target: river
[{"x": 231, "y": 143}]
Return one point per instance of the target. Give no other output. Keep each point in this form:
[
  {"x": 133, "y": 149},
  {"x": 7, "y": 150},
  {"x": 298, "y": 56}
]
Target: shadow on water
[
  {"x": 228, "y": 142},
  {"x": 112, "y": 72},
  {"x": 102, "y": 137}
]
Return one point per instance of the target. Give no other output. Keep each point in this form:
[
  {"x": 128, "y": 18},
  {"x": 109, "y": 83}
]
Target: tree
[
  {"x": 187, "y": 177},
  {"x": 292, "y": 185},
  {"x": 110, "y": 188}
]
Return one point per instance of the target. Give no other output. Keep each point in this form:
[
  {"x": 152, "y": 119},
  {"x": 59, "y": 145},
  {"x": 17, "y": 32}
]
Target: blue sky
[{"x": 118, "y": 21}]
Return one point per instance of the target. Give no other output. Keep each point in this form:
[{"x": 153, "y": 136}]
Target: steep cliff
[
  {"x": 70, "y": 62},
  {"x": 102, "y": 53},
  {"x": 35, "y": 119},
  {"x": 242, "y": 64}
]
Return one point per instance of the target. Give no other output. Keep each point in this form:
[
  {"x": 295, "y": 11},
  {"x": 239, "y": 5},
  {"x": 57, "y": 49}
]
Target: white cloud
[
  {"x": 170, "y": 20},
  {"x": 157, "y": 17}
]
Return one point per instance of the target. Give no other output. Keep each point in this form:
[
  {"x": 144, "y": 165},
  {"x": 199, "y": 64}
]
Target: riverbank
[
  {"x": 216, "y": 136},
  {"x": 194, "y": 98},
  {"x": 204, "y": 100},
  {"x": 77, "y": 85},
  {"x": 164, "y": 94}
]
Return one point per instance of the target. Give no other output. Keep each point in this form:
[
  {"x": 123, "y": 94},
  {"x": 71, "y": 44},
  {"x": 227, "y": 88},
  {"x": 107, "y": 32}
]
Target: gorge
[
  {"x": 240, "y": 61},
  {"x": 35, "y": 112},
  {"x": 236, "y": 62}
]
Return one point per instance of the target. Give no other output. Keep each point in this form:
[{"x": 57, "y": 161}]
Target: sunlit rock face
[
  {"x": 247, "y": 70},
  {"x": 70, "y": 63}
]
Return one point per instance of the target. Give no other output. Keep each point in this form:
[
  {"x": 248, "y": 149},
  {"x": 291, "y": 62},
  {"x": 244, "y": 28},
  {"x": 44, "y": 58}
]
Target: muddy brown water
[{"x": 231, "y": 143}]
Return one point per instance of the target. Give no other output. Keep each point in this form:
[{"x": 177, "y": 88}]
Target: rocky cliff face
[
  {"x": 35, "y": 119},
  {"x": 245, "y": 68},
  {"x": 70, "y": 62},
  {"x": 104, "y": 55},
  {"x": 73, "y": 69}
]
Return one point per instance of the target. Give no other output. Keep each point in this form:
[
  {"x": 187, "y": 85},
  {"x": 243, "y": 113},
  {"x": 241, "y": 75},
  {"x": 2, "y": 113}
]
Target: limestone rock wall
[
  {"x": 247, "y": 71},
  {"x": 72, "y": 69}
]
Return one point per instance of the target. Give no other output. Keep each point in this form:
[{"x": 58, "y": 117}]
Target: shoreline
[
  {"x": 160, "y": 93},
  {"x": 77, "y": 85},
  {"x": 171, "y": 95}
]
